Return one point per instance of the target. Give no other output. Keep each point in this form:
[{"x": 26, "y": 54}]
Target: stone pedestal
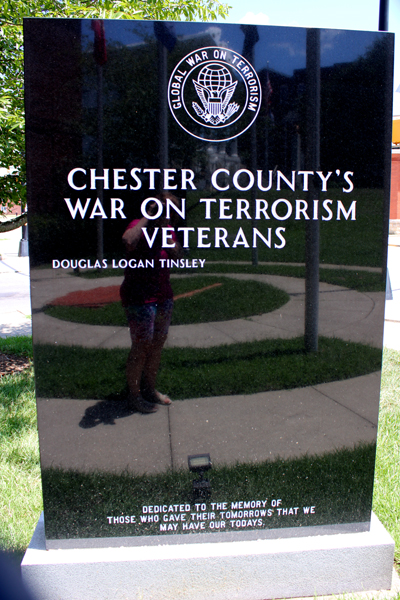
[{"x": 245, "y": 570}]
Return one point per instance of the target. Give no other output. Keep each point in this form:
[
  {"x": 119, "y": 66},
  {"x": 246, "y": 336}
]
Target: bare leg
[
  {"x": 134, "y": 368},
  {"x": 148, "y": 384},
  {"x": 152, "y": 363}
]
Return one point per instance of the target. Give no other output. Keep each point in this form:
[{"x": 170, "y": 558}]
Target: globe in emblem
[
  {"x": 215, "y": 87},
  {"x": 214, "y": 77}
]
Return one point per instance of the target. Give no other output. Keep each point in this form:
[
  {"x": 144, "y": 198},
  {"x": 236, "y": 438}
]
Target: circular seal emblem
[{"x": 214, "y": 94}]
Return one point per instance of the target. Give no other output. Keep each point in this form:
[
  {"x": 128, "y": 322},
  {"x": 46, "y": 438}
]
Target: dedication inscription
[{"x": 239, "y": 170}]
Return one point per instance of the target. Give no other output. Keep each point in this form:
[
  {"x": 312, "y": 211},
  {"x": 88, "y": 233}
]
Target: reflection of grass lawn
[
  {"x": 21, "y": 498},
  {"x": 342, "y": 242},
  {"x": 362, "y": 281},
  {"x": 75, "y": 372},
  {"x": 338, "y": 484},
  {"x": 234, "y": 299}
]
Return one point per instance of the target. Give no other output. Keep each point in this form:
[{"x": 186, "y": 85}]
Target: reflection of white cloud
[
  {"x": 290, "y": 49},
  {"x": 328, "y": 37},
  {"x": 215, "y": 33},
  {"x": 255, "y": 19}
]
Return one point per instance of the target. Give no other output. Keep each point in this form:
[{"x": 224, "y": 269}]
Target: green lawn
[
  {"x": 20, "y": 482},
  {"x": 387, "y": 473}
]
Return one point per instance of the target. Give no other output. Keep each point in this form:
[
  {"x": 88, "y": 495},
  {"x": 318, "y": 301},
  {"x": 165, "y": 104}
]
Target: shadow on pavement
[{"x": 106, "y": 412}]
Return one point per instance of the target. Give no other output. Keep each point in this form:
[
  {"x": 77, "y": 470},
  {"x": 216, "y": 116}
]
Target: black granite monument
[{"x": 255, "y": 160}]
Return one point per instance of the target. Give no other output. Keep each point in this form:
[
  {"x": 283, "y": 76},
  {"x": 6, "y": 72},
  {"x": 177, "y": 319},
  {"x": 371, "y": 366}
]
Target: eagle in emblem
[{"x": 215, "y": 88}]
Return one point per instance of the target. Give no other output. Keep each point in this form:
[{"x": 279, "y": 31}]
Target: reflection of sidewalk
[
  {"x": 344, "y": 313},
  {"x": 15, "y": 300},
  {"x": 331, "y": 415},
  {"x": 262, "y": 426}
]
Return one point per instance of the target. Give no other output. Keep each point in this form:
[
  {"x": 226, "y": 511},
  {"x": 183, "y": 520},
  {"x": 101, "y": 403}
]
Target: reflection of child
[{"x": 147, "y": 297}]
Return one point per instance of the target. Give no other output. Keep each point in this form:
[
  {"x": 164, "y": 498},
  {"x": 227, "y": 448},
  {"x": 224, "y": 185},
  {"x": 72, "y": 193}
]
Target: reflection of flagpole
[
  {"x": 162, "y": 94},
  {"x": 100, "y": 56},
  {"x": 312, "y": 164},
  {"x": 166, "y": 41},
  {"x": 99, "y": 219},
  {"x": 251, "y": 37},
  {"x": 268, "y": 94}
]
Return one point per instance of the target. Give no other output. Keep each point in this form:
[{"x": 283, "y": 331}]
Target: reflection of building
[
  {"x": 218, "y": 156},
  {"x": 394, "y": 223}
]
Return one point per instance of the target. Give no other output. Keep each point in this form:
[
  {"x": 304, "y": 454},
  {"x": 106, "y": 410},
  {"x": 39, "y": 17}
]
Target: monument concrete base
[{"x": 245, "y": 570}]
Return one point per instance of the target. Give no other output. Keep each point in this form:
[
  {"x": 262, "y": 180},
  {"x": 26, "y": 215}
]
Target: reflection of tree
[
  {"x": 351, "y": 129},
  {"x": 131, "y": 105}
]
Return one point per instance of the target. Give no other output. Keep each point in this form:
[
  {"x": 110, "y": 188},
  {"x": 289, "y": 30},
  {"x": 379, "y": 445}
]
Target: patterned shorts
[{"x": 149, "y": 320}]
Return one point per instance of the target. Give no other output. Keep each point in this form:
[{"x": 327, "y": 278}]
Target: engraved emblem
[
  {"x": 214, "y": 94},
  {"x": 214, "y": 87}
]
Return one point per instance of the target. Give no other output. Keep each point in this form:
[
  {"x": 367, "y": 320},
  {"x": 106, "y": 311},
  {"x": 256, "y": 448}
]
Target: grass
[
  {"x": 20, "y": 482},
  {"x": 362, "y": 281},
  {"x": 21, "y": 345},
  {"x": 387, "y": 473},
  {"x": 245, "y": 368},
  {"x": 233, "y": 299},
  {"x": 20, "y": 489}
]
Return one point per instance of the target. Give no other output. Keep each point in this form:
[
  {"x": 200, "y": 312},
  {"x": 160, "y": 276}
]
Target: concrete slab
[
  {"x": 15, "y": 305},
  {"x": 268, "y": 425},
  {"x": 90, "y": 435},
  {"x": 360, "y": 322},
  {"x": 48, "y": 330},
  {"x": 238, "y": 570},
  {"x": 9, "y": 243},
  {"x": 391, "y": 338},
  {"x": 358, "y": 395}
]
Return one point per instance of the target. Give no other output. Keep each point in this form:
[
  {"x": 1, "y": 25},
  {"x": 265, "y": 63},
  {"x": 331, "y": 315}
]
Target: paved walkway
[
  {"x": 15, "y": 302},
  {"x": 392, "y": 308}
]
